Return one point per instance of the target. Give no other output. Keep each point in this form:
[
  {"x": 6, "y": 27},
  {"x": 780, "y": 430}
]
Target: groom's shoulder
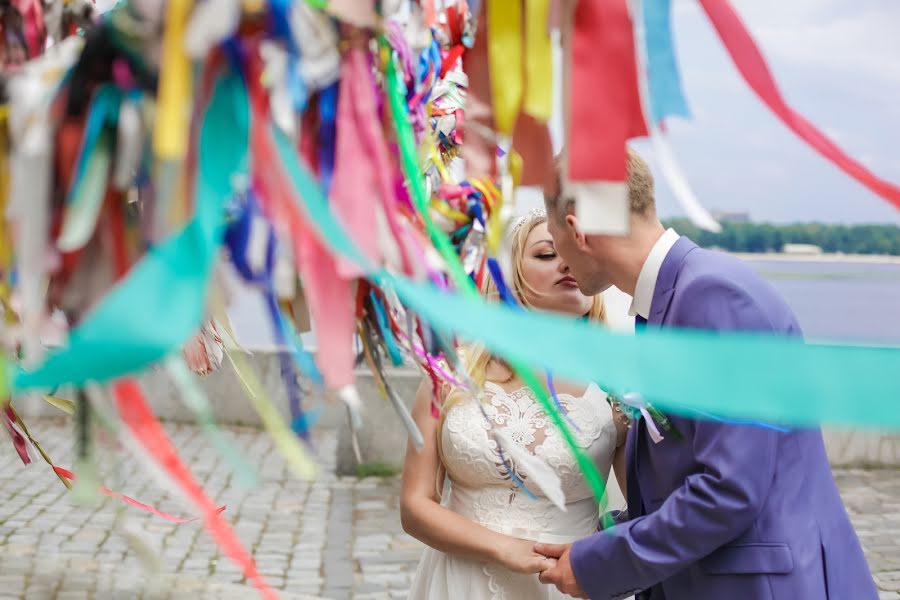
[
  {"x": 712, "y": 282},
  {"x": 717, "y": 269}
]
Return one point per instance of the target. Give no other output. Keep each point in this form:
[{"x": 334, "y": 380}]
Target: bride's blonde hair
[{"x": 476, "y": 358}]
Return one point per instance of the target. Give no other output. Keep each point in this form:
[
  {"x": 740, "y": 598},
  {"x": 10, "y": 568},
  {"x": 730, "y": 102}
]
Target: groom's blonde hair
[{"x": 641, "y": 195}]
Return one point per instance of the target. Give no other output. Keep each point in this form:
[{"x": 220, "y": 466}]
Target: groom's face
[{"x": 572, "y": 246}]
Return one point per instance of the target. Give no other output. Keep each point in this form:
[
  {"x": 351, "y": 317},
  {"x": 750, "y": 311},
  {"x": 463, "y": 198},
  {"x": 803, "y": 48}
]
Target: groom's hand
[{"x": 560, "y": 575}]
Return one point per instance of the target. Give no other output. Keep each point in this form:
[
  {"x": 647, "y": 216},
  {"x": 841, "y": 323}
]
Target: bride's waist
[{"x": 511, "y": 513}]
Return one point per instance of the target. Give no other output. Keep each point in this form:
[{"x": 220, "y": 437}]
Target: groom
[{"x": 733, "y": 512}]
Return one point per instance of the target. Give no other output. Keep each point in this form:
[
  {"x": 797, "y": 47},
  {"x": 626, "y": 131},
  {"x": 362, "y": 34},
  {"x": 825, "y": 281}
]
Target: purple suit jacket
[{"x": 735, "y": 512}]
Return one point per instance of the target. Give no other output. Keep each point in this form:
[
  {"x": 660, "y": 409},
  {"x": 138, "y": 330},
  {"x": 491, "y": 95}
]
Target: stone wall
[{"x": 383, "y": 438}]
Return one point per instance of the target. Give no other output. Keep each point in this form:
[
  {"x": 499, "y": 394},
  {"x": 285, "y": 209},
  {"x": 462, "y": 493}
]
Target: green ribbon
[
  {"x": 731, "y": 375},
  {"x": 745, "y": 376},
  {"x": 333, "y": 234}
]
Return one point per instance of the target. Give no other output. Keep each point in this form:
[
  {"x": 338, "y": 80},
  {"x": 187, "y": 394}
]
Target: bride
[{"x": 482, "y": 537}]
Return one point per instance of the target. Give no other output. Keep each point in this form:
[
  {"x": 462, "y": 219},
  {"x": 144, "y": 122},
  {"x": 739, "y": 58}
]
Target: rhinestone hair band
[{"x": 531, "y": 215}]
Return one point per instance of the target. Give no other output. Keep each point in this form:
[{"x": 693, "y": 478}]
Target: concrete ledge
[{"x": 383, "y": 438}]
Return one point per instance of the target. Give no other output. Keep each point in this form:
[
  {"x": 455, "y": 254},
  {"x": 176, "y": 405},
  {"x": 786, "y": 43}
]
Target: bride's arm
[{"x": 425, "y": 519}]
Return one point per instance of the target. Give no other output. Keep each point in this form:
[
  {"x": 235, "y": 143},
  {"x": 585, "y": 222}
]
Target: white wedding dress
[{"x": 481, "y": 489}]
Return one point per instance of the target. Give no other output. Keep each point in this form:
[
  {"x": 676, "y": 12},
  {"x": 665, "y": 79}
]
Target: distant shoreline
[{"x": 880, "y": 259}]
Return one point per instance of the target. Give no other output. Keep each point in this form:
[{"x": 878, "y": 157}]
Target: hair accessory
[{"x": 531, "y": 215}]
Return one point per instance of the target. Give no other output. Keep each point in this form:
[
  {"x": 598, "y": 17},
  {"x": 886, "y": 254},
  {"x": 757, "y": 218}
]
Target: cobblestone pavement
[{"x": 335, "y": 538}]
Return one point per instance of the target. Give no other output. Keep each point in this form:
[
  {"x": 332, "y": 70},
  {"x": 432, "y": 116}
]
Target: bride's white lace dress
[{"x": 481, "y": 489}]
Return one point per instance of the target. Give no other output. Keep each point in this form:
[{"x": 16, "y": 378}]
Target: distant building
[
  {"x": 801, "y": 249},
  {"x": 732, "y": 217}
]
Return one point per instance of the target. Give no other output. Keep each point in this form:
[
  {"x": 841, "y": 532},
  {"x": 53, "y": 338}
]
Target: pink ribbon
[{"x": 356, "y": 184}]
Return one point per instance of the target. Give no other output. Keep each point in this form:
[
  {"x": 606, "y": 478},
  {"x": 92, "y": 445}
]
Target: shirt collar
[{"x": 646, "y": 283}]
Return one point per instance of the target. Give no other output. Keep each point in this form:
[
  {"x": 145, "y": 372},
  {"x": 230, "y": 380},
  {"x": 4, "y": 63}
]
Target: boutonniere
[{"x": 635, "y": 406}]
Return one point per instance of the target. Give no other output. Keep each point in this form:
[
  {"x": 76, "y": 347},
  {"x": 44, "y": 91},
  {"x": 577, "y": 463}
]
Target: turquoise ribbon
[
  {"x": 743, "y": 376},
  {"x": 729, "y": 375},
  {"x": 161, "y": 302}
]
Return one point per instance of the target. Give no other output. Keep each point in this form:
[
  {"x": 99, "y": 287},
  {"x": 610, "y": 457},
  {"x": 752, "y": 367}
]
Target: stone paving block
[{"x": 336, "y": 538}]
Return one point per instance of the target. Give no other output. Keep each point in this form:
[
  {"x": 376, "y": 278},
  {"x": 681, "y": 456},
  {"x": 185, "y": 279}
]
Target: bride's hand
[{"x": 519, "y": 556}]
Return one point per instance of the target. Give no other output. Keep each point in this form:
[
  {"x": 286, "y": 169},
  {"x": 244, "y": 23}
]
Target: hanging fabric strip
[
  {"x": 370, "y": 353},
  {"x": 538, "y": 100},
  {"x": 805, "y": 383},
  {"x": 355, "y": 168},
  {"x": 82, "y": 210},
  {"x": 295, "y": 455},
  {"x": 317, "y": 210},
  {"x": 479, "y": 148},
  {"x": 194, "y": 398},
  {"x": 505, "y": 53},
  {"x": 68, "y": 476},
  {"x": 662, "y": 151},
  {"x": 604, "y": 113},
  {"x": 168, "y": 287},
  {"x": 143, "y": 425},
  {"x": 410, "y": 163},
  {"x": 753, "y": 68},
  {"x": 666, "y": 98},
  {"x": 18, "y": 420},
  {"x": 329, "y": 297},
  {"x": 170, "y": 138}
]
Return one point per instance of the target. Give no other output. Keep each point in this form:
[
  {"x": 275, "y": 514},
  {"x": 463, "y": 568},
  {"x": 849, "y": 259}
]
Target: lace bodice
[{"x": 482, "y": 487}]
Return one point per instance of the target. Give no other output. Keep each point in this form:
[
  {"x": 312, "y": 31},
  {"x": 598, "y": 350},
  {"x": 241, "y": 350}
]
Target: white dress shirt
[{"x": 646, "y": 283}]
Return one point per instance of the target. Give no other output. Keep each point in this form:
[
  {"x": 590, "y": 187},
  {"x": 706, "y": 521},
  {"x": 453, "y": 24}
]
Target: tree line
[{"x": 766, "y": 237}]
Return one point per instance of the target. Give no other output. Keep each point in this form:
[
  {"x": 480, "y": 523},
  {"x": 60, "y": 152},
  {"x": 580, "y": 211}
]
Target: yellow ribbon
[
  {"x": 538, "y": 100},
  {"x": 504, "y": 28},
  {"x": 518, "y": 85},
  {"x": 170, "y": 137},
  {"x": 447, "y": 211},
  {"x": 285, "y": 440}
]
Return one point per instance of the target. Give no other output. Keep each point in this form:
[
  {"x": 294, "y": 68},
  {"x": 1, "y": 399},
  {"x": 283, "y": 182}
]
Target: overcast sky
[{"x": 838, "y": 63}]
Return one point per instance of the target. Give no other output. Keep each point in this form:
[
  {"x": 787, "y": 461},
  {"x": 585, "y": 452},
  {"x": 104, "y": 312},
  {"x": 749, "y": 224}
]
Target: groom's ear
[{"x": 573, "y": 228}]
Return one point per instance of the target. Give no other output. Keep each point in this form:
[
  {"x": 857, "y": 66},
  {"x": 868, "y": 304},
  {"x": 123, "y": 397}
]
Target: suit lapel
[
  {"x": 659, "y": 306},
  {"x": 665, "y": 282}
]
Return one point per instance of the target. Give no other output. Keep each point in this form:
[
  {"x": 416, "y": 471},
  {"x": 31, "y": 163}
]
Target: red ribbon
[
  {"x": 750, "y": 63},
  {"x": 604, "y": 100},
  {"x": 128, "y": 500},
  {"x": 147, "y": 431},
  {"x": 19, "y": 443}
]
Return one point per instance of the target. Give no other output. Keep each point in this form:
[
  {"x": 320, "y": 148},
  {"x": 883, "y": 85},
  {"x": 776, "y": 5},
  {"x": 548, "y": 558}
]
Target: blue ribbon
[{"x": 666, "y": 96}]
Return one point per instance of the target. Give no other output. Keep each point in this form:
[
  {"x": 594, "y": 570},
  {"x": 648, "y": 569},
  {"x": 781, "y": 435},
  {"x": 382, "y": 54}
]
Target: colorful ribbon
[{"x": 69, "y": 476}]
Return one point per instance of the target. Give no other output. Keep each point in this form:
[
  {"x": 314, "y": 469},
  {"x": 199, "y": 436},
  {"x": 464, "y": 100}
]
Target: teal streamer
[
  {"x": 104, "y": 111},
  {"x": 735, "y": 375},
  {"x": 386, "y": 333},
  {"x": 160, "y": 304},
  {"x": 666, "y": 94},
  {"x": 743, "y": 376}
]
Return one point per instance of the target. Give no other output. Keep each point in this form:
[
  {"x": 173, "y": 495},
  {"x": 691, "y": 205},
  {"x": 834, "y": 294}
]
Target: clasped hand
[{"x": 560, "y": 573}]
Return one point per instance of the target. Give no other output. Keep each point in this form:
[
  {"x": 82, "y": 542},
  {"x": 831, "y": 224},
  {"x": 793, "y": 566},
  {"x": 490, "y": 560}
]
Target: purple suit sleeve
[{"x": 716, "y": 504}]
